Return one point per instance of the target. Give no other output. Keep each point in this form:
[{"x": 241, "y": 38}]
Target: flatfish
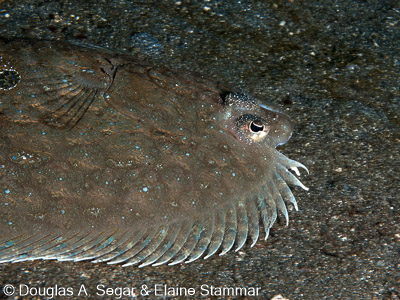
[{"x": 109, "y": 159}]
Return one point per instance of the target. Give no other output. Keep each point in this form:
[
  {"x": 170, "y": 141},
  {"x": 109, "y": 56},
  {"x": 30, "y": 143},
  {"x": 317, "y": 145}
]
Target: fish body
[{"x": 104, "y": 157}]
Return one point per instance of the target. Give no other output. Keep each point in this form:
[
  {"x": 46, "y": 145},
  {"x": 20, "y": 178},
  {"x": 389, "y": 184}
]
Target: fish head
[{"x": 254, "y": 123}]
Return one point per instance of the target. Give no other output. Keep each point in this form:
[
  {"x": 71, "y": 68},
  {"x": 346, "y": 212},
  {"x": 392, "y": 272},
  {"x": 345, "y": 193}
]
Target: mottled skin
[{"x": 97, "y": 144}]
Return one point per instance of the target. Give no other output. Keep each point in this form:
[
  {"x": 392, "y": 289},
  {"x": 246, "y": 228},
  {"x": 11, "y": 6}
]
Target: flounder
[{"x": 106, "y": 158}]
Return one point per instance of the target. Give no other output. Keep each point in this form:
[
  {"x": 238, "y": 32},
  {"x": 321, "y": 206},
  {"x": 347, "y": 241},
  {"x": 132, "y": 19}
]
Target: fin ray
[
  {"x": 62, "y": 101},
  {"x": 230, "y": 230},
  {"x": 218, "y": 235},
  {"x": 204, "y": 240},
  {"x": 242, "y": 227}
]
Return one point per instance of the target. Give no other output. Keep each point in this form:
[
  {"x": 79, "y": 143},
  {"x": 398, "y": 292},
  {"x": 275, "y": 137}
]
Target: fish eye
[
  {"x": 256, "y": 126},
  {"x": 251, "y": 128}
]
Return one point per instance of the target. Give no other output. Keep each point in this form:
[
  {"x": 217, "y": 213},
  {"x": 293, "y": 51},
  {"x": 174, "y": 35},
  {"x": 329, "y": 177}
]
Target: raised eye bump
[{"x": 250, "y": 128}]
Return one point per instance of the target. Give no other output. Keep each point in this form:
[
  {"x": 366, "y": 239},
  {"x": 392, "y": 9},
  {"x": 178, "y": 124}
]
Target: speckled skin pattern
[{"x": 106, "y": 158}]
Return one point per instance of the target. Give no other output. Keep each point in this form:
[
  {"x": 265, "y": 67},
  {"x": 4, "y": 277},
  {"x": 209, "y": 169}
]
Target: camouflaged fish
[{"x": 105, "y": 158}]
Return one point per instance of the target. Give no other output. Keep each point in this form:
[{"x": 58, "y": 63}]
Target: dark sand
[{"x": 334, "y": 67}]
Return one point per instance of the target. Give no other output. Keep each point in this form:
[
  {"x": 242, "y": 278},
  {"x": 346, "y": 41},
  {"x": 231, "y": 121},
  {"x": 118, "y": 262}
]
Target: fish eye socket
[
  {"x": 256, "y": 126},
  {"x": 251, "y": 128}
]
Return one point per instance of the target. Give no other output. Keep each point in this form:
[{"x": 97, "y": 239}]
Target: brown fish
[{"x": 105, "y": 158}]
